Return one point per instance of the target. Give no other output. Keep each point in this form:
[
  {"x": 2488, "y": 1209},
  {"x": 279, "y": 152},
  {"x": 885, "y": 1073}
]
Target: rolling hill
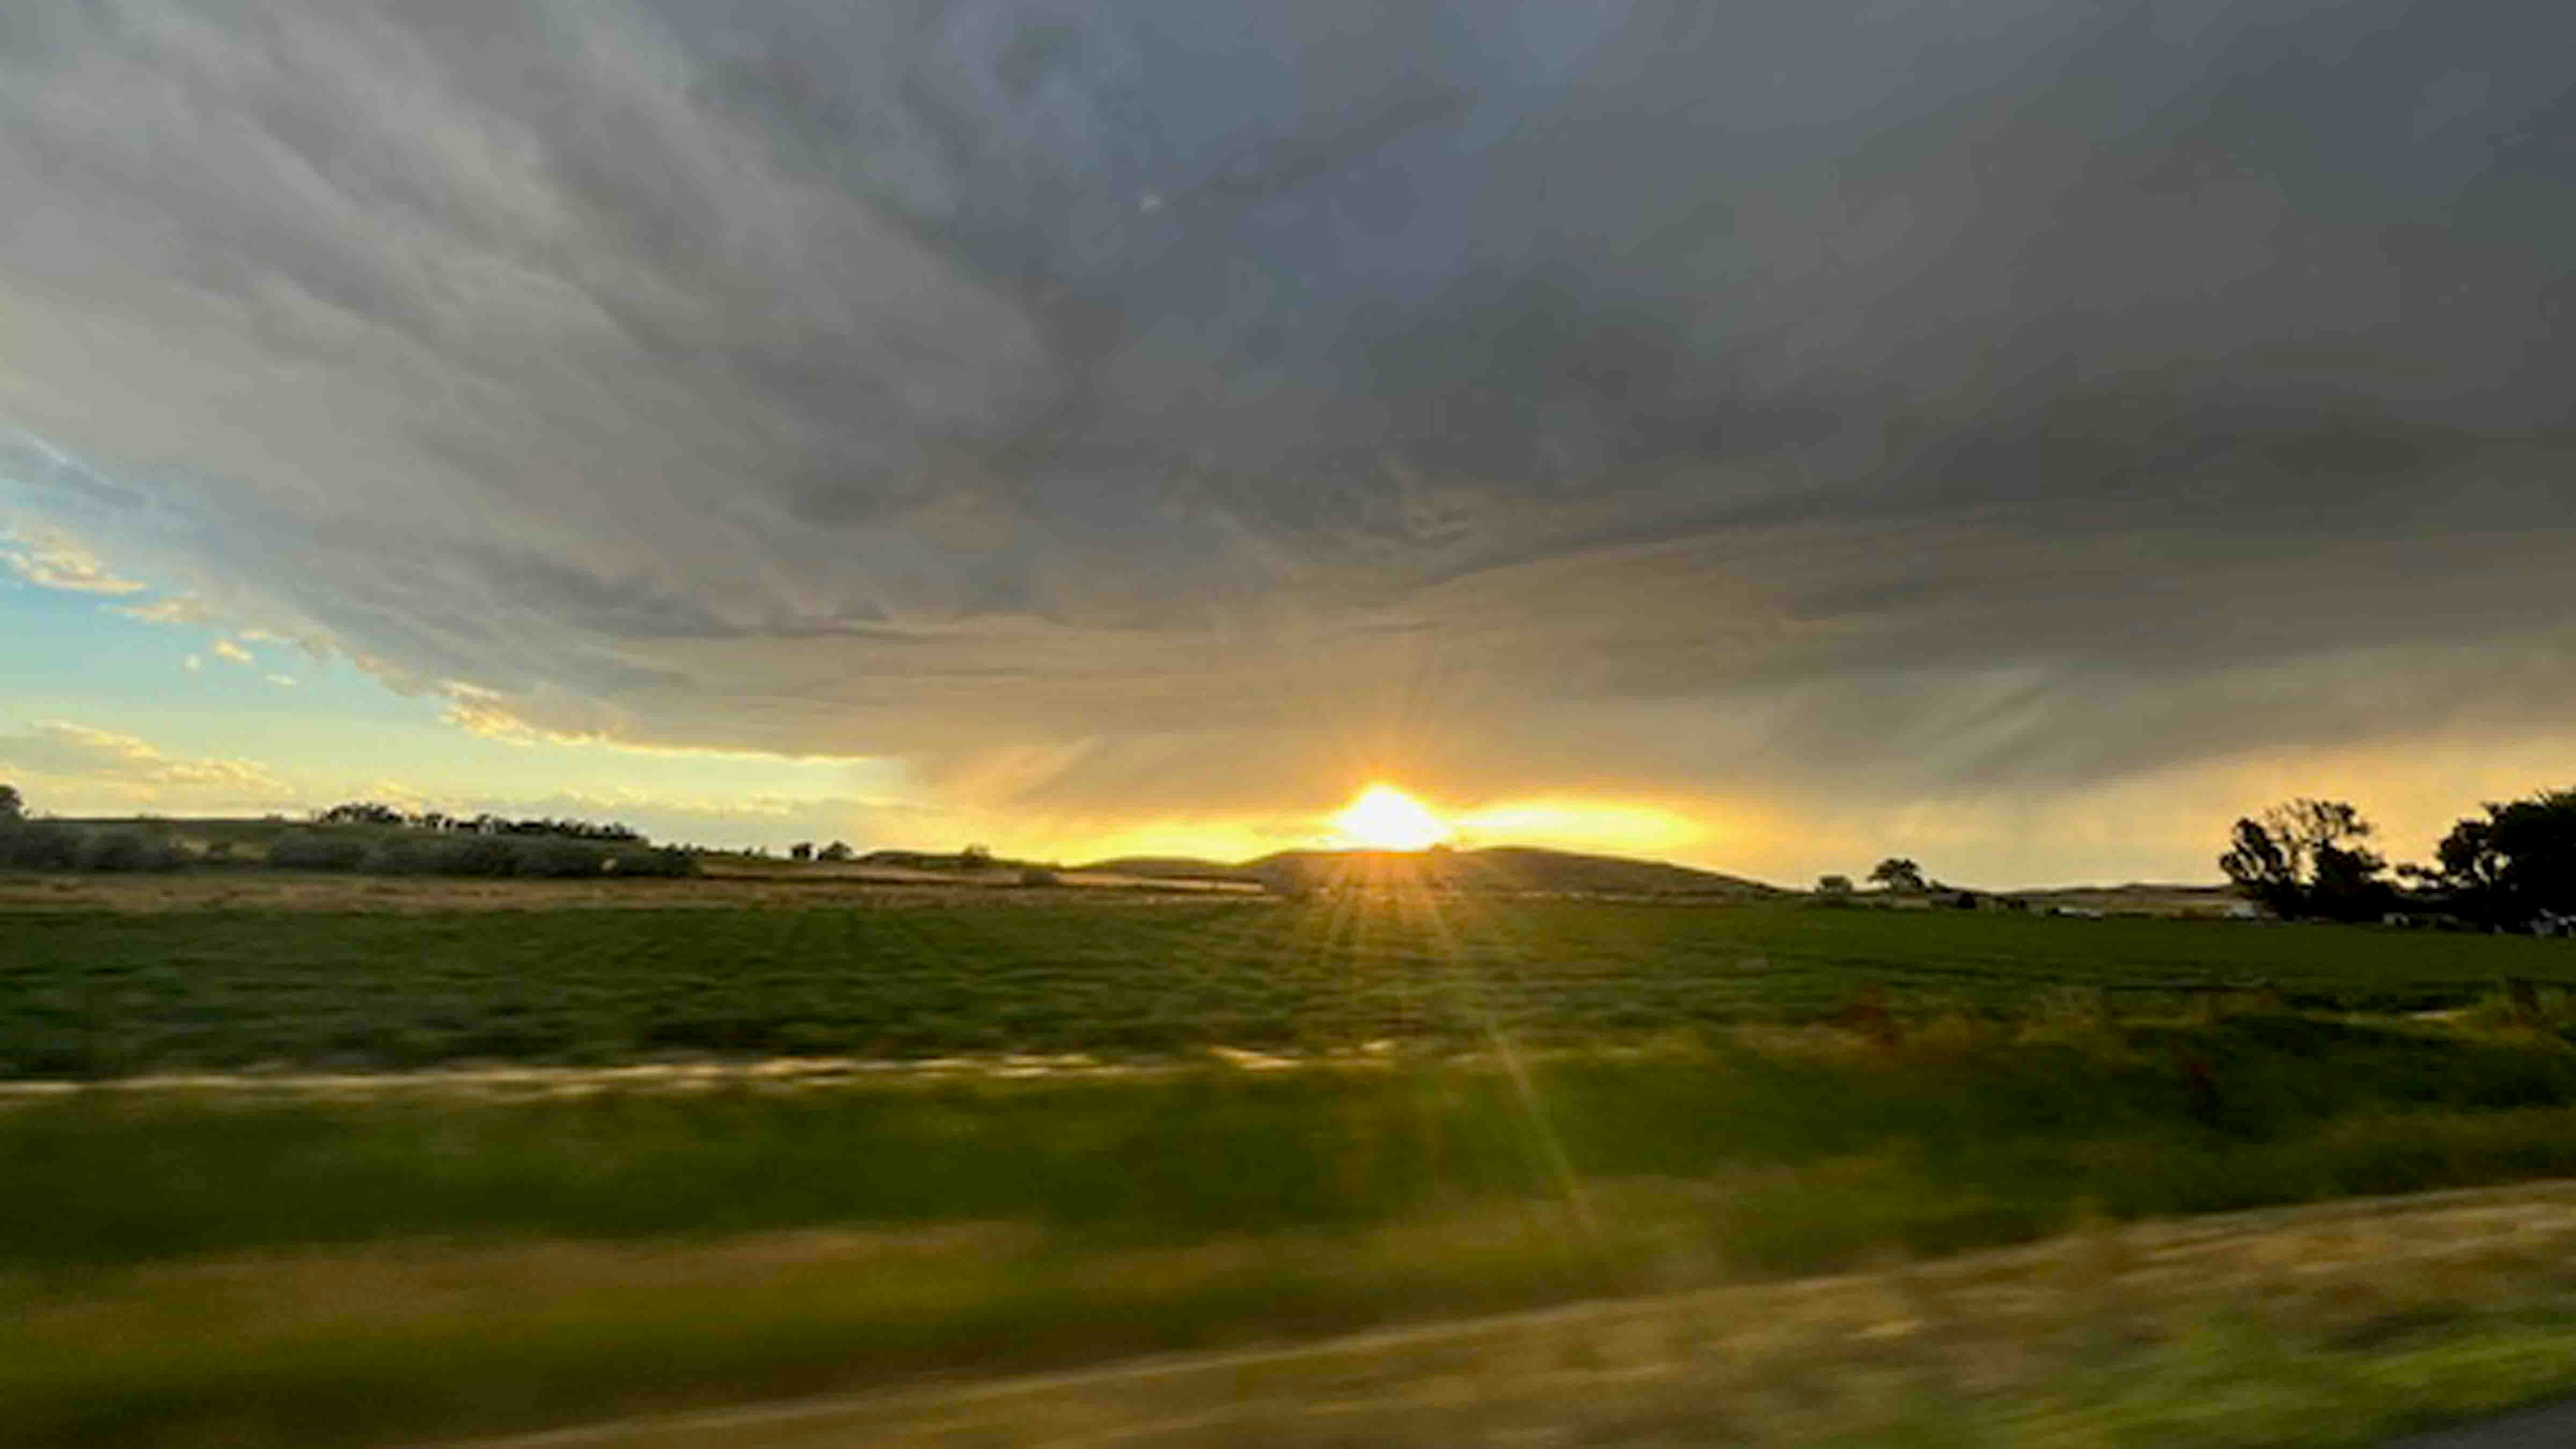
[{"x": 1504, "y": 869}]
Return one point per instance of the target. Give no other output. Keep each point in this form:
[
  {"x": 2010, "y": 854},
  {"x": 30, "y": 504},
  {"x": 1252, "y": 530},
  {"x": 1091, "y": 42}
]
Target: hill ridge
[{"x": 1511, "y": 868}]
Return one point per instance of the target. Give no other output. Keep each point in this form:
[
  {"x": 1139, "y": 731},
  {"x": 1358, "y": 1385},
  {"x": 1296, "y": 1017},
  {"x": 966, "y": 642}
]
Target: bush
[
  {"x": 316, "y": 850},
  {"x": 463, "y": 855},
  {"x": 127, "y": 850},
  {"x": 558, "y": 858},
  {"x": 534, "y": 856},
  {"x": 489, "y": 855},
  {"x": 1038, "y": 875},
  {"x": 478, "y": 855},
  {"x": 402, "y": 857},
  {"x": 40, "y": 846},
  {"x": 665, "y": 862}
]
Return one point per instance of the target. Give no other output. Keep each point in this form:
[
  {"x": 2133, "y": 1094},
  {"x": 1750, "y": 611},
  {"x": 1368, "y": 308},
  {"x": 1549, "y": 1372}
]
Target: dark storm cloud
[{"x": 2011, "y": 394}]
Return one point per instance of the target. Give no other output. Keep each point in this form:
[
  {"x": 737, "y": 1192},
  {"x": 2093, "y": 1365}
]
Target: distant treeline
[
  {"x": 369, "y": 812},
  {"x": 551, "y": 856},
  {"x": 426, "y": 844}
]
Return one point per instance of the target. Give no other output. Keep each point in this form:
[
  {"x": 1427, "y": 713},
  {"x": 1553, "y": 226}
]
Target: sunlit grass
[{"x": 1967, "y": 1131}]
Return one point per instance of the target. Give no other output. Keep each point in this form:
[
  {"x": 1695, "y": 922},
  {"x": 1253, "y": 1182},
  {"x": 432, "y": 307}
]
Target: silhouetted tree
[
  {"x": 2305, "y": 859},
  {"x": 1833, "y": 885},
  {"x": 13, "y": 806},
  {"x": 1897, "y": 874},
  {"x": 2516, "y": 864},
  {"x": 975, "y": 857},
  {"x": 359, "y": 812},
  {"x": 838, "y": 850},
  {"x": 2262, "y": 870},
  {"x": 801, "y": 850}
]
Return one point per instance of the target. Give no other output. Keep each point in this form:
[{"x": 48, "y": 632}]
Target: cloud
[
  {"x": 1188, "y": 406},
  {"x": 177, "y": 609},
  {"x": 56, "y": 561},
  {"x": 282, "y": 681},
  {"x": 227, "y": 650},
  {"x": 86, "y": 758}
]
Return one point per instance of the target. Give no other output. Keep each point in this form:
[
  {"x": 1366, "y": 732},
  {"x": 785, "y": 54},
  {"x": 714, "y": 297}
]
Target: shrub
[
  {"x": 666, "y": 862},
  {"x": 558, "y": 858},
  {"x": 127, "y": 850},
  {"x": 459, "y": 855},
  {"x": 404, "y": 857},
  {"x": 40, "y": 846},
  {"x": 316, "y": 850},
  {"x": 479, "y": 855},
  {"x": 489, "y": 855},
  {"x": 1038, "y": 875}
]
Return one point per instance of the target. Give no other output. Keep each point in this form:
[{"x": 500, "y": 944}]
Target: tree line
[
  {"x": 429, "y": 843},
  {"x": 2512, "y": 868},
  {"x": 371, "y": 812}
]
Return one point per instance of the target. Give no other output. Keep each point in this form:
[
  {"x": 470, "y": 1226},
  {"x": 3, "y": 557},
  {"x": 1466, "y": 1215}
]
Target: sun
[{"x": 1385, "y": 818}]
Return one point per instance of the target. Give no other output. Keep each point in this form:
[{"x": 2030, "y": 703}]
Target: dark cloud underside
[{"x": 2009, "y": 394}]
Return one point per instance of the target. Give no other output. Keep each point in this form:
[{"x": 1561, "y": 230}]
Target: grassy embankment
[{"x": 309, "y": 1269}]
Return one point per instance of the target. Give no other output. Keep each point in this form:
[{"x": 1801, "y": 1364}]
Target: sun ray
[{"x": 1470, "y": 990}]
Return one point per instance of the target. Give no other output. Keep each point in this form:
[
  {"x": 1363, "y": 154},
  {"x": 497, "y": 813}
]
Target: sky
[{"x": 2023, "y": 435}]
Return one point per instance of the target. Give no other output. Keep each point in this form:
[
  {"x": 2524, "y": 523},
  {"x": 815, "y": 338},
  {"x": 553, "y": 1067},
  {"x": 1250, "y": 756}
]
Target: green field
[
  {"x": 287, "y": 1268},
  {"x": 1694, "y": 1095},
  {"x": 104, "y": 994}
]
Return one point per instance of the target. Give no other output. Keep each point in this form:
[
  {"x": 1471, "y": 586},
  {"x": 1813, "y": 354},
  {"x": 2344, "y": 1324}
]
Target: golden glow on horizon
[
  {"x": 1617, "y": 827},
  {"x": 1385, "y": 818}
]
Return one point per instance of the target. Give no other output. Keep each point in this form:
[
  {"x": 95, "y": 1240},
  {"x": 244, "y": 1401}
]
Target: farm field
[
  {"x": 91, "y": 994},
  {"x": 611, "y": 1193}
]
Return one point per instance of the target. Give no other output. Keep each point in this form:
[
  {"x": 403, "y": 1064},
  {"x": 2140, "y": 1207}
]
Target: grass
[
  {"x": 103, "y": 994},
  {"x": 1968, "y": 1133},
  {"x": 1620, "y": 1098},
  {"x": 2334, "y": 1328},
  {"x": 179, "y": 1268}
]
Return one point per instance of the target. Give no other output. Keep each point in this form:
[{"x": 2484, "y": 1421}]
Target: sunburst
[{"x": 1385, "y": 818}]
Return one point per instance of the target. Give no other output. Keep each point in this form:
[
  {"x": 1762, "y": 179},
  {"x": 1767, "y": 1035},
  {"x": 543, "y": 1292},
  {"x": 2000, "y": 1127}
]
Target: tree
[
  {"x": 975, "y": 857},
  {"x": 2516, "y": 864},
  {"x": 836, "y": 851},
  {"x": 1897, "y": 874},
  {"x": 13, "y": 806},
  {"x": 1833, "y": 885},
  {"x": 2262, "y": 870},
  {"x": 801, "y": 850},
  {"x": 2305, "y": 858},
  {"x": 359, "y": 812}
]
